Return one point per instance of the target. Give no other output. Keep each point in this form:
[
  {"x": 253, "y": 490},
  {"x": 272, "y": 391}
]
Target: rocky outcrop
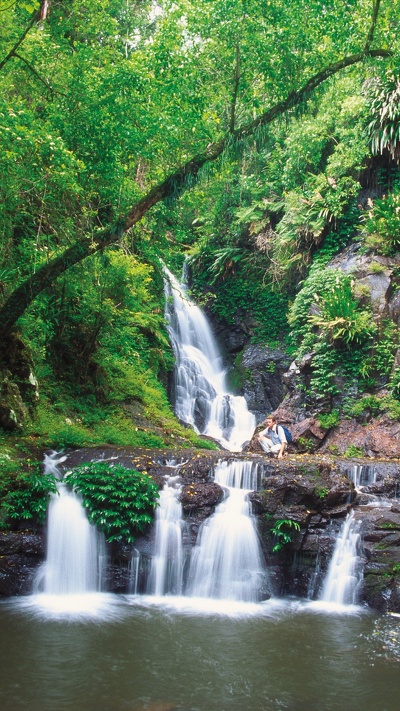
[
  {"x": 262, "y": 371},
  {"x": 18, "y": 385},
  {"x": 379, "y": 438}
]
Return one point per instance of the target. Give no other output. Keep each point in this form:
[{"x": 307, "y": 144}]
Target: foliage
[
  {"x": 341, "y": 319},
  {"x": 383, "y": 95},
  {"x": 284, "y": 531},
  {"x": 382, "y": 224},
  {"x": 353, "y": 451},
  {"x": 101, "y": 102},
  {"x": 374, "y": 405},
  {"x": 120, "y": 501},
  {"x": 306, "y": 443},
  {"x": 24, "y": 490},
  {"x": 329, "y": 419}
]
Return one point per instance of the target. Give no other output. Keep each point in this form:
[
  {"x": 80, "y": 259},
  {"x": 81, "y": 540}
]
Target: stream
[{"x": 153, "y": 656}]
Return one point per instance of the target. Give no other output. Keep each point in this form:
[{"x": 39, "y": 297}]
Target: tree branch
[
  {"x": 370, "y": 36},
  {"x": 36, "y": 74},
  {"x": 34, "y": 18},
  {"x": 236, "y": 80},
  {"x": 24, "y": 294}
]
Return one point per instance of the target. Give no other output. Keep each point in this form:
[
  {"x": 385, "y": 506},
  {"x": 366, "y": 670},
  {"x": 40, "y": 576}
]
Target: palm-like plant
[{"x": 384, "y": 129}]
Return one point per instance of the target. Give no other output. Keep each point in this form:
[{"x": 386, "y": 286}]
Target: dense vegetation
[
  {"x": 120, "y": 501},
  {"x": 257, "y": 139}
]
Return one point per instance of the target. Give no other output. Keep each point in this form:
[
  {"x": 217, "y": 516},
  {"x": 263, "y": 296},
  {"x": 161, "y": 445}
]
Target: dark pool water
[{"x": 133, "y": 654}]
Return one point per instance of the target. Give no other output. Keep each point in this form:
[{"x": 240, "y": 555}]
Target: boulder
[{"x": 200, "y": 495}]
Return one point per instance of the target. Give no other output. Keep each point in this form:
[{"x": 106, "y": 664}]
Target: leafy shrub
[
  {"x": 341, "y": 317},
  {"x": 284, "y": 530},
  {"x": 373, "y": 405},
  {"x": 120, "y": 501},
  {"x": 382, "y": 225},
  {"x": 24, "y": 494},
  {"x": 384, "y": 128},
  {"x": 328, "y": 420},
  {"x": 353, "y": 451}
]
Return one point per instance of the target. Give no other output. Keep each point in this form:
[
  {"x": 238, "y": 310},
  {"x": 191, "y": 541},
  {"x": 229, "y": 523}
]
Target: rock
[
  {"x": 13, "y": 412},
  {"x": 20, "y": 555},
  {"x": 261, "y": 373},
  {"x": 308, "y": 434},
  {"x": 379, "y": 438},
  {"x": 199, "y": 495}
]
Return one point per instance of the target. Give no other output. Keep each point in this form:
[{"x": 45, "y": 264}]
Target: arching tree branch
[
  {"x": 34, "y": 18},
  {"x": 182, "y": 178}
]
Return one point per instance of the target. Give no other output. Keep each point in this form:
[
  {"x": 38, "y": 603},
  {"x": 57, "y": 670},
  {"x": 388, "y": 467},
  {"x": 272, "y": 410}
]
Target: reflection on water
[{"x": 266, "y": 657}]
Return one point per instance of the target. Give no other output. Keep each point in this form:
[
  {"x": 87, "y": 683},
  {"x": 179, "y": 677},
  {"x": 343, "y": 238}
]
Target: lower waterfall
[
  {"x": 74, "y": 548},
  {"x": 345, "y": 573},
  {"x": 227, "y": 562},
  {"x": 166, "y": 573},
  {"x": 75, "y": 561}
]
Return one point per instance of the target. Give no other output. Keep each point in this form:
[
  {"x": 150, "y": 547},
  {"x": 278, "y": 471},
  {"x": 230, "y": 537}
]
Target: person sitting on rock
[{"x": 272, "y": 439}]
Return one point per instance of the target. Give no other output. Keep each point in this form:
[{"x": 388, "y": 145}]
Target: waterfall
[
  {"x": 201, "y": 395},
  {"x": 166, "y": 573},
  {"x": 227, "y": 561},
  {"x": 75, "y": 555},
  {"x": 362, "y": 475},
  {"x": 345, "y": 573}
]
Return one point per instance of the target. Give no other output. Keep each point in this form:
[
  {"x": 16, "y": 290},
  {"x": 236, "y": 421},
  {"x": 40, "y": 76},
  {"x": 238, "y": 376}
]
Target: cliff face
[{"x": 313, "y": 492}]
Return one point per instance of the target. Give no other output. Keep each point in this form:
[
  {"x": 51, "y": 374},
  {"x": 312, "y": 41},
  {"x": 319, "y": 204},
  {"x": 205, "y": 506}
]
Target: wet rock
[
  {"x": 21, "y": 552},
  {"x": 200, "y": 495},
  {"x": 262, "y": 370}
]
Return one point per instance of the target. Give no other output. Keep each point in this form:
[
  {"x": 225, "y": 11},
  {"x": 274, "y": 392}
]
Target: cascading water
[
  {"x": 166, "y": 573},
  {"x": 227, "y": 561},
  {"x": 75, "y": 549},
  {"x": 345, "y": 572},
  {"x": 201, "y": 395},
  {"x": 362, "y": 475}
]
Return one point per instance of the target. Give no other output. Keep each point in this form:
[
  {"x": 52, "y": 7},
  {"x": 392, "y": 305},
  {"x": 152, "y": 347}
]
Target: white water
[
  {"x": 201, "y": 395},
  {"x": 362, "y": 475},
  {"x": 345, "y": 573},
  {"x": 166, "y": 574},
  {"x": 75, "y": 549},
  {"x": 227, "y": 562}
]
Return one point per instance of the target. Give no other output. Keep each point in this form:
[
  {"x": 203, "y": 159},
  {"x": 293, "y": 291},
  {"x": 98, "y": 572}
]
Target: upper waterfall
[{"x": 202, "y": 398}]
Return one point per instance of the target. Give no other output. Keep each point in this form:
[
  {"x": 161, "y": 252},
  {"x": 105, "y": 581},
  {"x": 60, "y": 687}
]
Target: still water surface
[{"x": 137, "y": 654}]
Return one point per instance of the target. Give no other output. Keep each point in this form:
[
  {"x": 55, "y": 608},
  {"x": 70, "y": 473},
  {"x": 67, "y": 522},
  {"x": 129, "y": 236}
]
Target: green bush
[
  {"x": 120, "y": 501},
  {"x": 328, "y": 420},
  {"x": 382, "y": 225},
  {"x": 24, "y": 493}
]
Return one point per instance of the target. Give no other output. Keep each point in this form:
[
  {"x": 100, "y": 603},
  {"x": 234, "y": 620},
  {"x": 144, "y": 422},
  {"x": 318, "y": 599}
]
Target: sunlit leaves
[{"x": 120, "y": 501}]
